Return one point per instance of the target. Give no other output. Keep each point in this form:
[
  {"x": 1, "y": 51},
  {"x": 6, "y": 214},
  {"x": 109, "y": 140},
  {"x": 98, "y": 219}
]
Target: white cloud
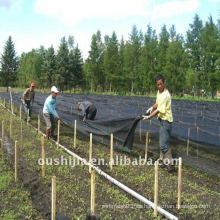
[
  {"x": 174, "y": 8},
  {"x": 74, "y": 11}
]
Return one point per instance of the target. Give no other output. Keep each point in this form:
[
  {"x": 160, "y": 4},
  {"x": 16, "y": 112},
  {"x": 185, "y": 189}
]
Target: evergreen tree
[
  {"x": 9, "y": 64},
  {"x": 194, "y": 48}
]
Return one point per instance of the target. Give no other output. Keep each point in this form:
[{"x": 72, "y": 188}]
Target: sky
[{"x": 33, "y": 23}]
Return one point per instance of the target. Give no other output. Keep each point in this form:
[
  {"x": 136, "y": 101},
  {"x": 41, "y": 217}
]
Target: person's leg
[
  {"x": 53, "y": 124},
  {"x": 48, "y": 124},
  {"x": 92, "y": 112}
]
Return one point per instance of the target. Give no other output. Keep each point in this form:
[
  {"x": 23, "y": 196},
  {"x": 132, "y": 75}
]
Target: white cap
[{"x": 54, "y": 89}]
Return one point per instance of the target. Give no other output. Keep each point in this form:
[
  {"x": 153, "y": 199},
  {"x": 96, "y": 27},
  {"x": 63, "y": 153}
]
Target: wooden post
[
  {"x": 156, "y": 188},
  {"x": 53, "y": 199},
  {"x": 16, "y": 162},
  {"x": 111, "y": 153},
  {"x": 140, "y": 132},
  {"x": 10, "y": 128},
  {"x": 21, "y": 134},
  {"x": 3, "y": 136},
  {"x": 179, "y": 182},
  {"x": 147, "y": 143},
  {"x": 74, "y": 141},
  {"x": 90, "y": 152},
  {"x": 58, "y": 134},
  {"x": 4, "y": 102},
  {"x": 20, "y": 112},
  {"x": 92, "y": 192},
  {"x": 28, "y": 116},
  {"x": 43, "y": 156},
  {"x": 187, "y": 148},
  {"x": 38, "y": 124}
]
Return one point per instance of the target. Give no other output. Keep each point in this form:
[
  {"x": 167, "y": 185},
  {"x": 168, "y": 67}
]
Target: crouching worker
[
  {"x": 50, "y": 114},
  {"x": 28, "y": 100},
  {"x": 88, "y": 110},
  {"x": 162, "y": 108}
]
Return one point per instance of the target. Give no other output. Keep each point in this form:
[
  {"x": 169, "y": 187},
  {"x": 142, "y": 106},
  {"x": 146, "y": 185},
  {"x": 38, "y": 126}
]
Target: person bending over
[{"x": 88, "y": 110}]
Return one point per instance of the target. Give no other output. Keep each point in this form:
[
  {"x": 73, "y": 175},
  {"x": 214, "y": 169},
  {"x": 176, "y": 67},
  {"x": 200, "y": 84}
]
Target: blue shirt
[{"x": 50, "y": 106}]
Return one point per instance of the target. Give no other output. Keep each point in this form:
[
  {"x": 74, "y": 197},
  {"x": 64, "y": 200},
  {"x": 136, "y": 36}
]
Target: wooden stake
[
  {"x": 53, "y": 199},
  {"x": 27, "y": 116},
  {"x": 43, "y": 156},
  {"x": 187, "y": 148},
  {"x": 21, "y": 134},
  {"x": 16, "y": 162},
  {"x": 3, "y": 136},
  {"x": 179, "y": 182},
  {"x": 74, "y": 142},
  {"x": 140, "y": 132},
  {"x": 58, "y": 134},
  {"x": 38, "y": 124},
  {"x": 10, "y": 128},
  {"x": 90, "y": 152},
  {"x": 92, "y": 192},
  {"x": 111, "y": 153},
  {"x": 4, "y": 102},
  {"x": 147, "y": 143},
  {"x": 20, "y": 111},
  {"x": 156, "y": 188}
]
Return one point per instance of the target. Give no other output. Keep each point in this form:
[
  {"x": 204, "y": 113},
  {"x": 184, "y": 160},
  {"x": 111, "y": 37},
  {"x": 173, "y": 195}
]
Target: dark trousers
[
  {"x": 91, "y": 112},
  {"x": 164, "y": 136}
]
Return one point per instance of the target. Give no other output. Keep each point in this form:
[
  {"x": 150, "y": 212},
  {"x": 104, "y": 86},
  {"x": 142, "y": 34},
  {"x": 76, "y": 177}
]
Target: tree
[
  {"x": 194, "y": 49},
  {"x": 111, "y": 62},
  {"x": 95, "y": 62},
  {"x": 9, "y": 64},
  {"x": 63, "y": 78}
]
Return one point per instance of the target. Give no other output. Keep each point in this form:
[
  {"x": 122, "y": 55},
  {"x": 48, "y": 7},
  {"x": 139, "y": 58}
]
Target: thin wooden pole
[
  {"x": 92, "y": 192},
  {"x": 179, "y": 182},
  {"x": 58, "y": 134},
  {"x": 4, "y": 102},
  {"x": 74, "y": 142},
  {"x": 43, "y": 156},
  {"x": 147, "y": 144},
  {"x": 53, "y": 199},
  {"x": 38, "y": 124},
  {"x": 28, "y": 116},
  {"x": 140, "y": 132},
  {"x": 21, "y": 133},
  {"x": 156, "y": 188},
  {"x": 16, "y": 162},
  {"x": 20, "y": 112},
  {"x": 3, "y": 136},
  {"x": 10, "y": 128},
  {"x": 90, "y": 152},
  {"x": 111, "y": 153},
  {"x": 187, "y": 149}
]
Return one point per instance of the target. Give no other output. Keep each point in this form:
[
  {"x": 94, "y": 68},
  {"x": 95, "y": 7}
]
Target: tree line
[{"x": 190, "y": 64}]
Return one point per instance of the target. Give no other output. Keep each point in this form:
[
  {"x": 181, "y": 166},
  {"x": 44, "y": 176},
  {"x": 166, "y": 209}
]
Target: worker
[
  {"x": 162, "y": 108},
  {"x": 28, "y": 100},
  {"x": 88, "y": 110},
  {"x": 50, "y": 113}
]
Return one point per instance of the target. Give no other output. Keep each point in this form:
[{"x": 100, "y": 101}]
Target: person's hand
[
  {"x": 58, "y": 117},
  {"x": 145, "y": 117},
  {"x": 84, "y": 118},
  {"x": 149, "y": 110}
]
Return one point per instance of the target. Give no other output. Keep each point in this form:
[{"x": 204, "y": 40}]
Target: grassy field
[
  {"x": 200, "y": 191},
  {"x": 151, "y": 95}
]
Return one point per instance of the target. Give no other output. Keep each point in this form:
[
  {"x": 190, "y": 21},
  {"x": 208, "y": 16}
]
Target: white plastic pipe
[{"x": 116, "y": 182}]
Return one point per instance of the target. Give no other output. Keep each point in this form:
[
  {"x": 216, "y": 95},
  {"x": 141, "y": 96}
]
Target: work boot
[
  {"x": 48, "y": 133},
  {"x": 168, "y": 161}
]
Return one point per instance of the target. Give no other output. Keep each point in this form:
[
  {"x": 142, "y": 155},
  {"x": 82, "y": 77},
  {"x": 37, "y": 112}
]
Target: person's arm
[
  {"x": 24, "y": 96},
  {"x": 52, "y": 110}
]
